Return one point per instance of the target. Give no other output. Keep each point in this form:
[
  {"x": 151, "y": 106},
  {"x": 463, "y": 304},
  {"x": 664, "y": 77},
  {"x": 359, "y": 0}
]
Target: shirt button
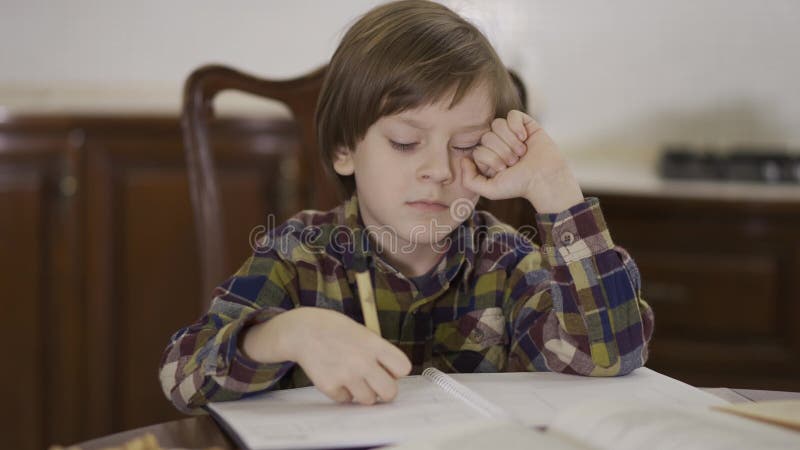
[{"x": 567, "y": 238}]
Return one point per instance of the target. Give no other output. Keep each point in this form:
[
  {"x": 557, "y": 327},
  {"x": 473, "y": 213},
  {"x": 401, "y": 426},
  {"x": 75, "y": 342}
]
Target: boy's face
[{"x": 408, "y": 168}]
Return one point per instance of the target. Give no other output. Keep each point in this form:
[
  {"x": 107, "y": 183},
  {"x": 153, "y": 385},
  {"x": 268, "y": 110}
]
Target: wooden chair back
[{"x": 314, "y": 186}]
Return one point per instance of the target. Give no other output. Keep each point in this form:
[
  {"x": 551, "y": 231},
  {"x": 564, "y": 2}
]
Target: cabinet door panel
[
  {"x": 39, "y": 279},
  {"x": 711, "y": 295},
  {"x": 144, "y": 268},
  {"x": 20, "y": 278}
]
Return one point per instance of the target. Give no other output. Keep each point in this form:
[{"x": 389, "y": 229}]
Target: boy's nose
[{"x": 437, "y": 168}]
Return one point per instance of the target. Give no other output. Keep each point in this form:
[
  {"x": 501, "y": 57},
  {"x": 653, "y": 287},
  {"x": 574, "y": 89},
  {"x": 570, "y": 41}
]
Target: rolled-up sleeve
[
  {"x": 574, "y": 304},
  {"x": 203, "y": 362}
]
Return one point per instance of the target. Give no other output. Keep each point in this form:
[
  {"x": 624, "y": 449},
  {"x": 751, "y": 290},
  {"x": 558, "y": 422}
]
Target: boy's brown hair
[{"x": 399, "y": 56}]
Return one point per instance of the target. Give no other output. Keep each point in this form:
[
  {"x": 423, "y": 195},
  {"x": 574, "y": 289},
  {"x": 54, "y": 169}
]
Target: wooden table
[{"x": 203, "y": 432}]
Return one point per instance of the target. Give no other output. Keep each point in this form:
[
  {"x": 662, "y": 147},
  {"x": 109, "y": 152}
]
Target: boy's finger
[
  {"x": 502, "y": 129},
  {"x": 516, "y": 122},
  {"x": 474, "y": 181},
  {"x": 532, "y": 126},
  {"x": 341, "y": 395},
  {"x": 382, "y": 383},
  {"x": 495, "y": 152},
  {"x": 362, "y": 393},
  {"x": 395, "y": 361},
  {"x": 485, "y": 169}
]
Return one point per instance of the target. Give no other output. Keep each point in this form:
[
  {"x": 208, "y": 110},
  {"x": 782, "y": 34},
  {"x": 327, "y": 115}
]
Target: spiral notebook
[{"x": 432, "y": 402}]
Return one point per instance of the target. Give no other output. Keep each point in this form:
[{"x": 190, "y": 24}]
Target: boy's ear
[{"x": 343, "y": 161}]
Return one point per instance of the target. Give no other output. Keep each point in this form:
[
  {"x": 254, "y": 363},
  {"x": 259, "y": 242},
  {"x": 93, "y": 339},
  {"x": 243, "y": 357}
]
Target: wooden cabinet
[
  {"x": 723, "y": 278},
  {"x": 39, "y": 281},
  {"x": 98, "y": 261},
  {"x": 98, "y": 266}
]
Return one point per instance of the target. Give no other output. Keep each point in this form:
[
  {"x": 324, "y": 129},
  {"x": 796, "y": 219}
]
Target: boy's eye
[
  {"x": 466, "y": 149},
  {"x": 402, "y": 147},
  {"x": 410, "y": 146}
]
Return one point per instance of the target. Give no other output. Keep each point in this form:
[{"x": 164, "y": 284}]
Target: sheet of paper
[
  {"x": 635, "y": 426},
  {"x": 535, "y": 398},
  {"x": 305, "y": 418},
  {"x": 484, "y": 435}
]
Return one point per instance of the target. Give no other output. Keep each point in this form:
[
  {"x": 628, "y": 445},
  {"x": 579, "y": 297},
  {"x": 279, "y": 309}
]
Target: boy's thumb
[{"x": 473, "y": 180}]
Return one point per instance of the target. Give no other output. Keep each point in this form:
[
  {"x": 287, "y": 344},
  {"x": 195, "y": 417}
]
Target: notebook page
[
  {"x": 536, "y": 397},
  {"x": 305, "y": 418},
  {"x": 629, "y": 426},
  {"x": 465, "y": 394},
  {"x": 489, "y": 434}
]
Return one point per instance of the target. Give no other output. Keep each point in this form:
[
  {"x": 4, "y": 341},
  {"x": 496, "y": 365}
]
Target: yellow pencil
[{"x": 367, "y": 298}]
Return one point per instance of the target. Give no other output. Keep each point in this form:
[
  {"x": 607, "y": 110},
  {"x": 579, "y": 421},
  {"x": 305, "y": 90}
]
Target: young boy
[{"x": 418, "y": 118}]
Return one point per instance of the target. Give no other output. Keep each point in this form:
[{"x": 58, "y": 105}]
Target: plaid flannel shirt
[{"x": 495, "y": 302}]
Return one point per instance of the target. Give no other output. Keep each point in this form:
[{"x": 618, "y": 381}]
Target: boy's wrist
[
  {"x": 555, "y": 193},
  {"x": 266, "y": 342}
]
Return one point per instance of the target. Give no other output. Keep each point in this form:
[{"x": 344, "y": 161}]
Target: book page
[
  {"x": 489, "y": 434},
  {"x": 306, "y": 418},
  {"x": 636, "y": 426},
  {"x": 535, "y": 398}
]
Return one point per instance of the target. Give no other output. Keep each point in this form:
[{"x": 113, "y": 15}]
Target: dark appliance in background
[{"x": 759, "y": 165}]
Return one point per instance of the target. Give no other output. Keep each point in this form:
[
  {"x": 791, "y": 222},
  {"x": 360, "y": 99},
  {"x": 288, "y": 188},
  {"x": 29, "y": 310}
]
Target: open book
[
  {"x": 621, "y": 426},
  {"x": 443, "y": 409}
]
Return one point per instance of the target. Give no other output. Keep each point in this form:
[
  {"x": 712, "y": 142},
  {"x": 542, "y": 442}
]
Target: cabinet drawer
[{"x": 710, "y": 294}]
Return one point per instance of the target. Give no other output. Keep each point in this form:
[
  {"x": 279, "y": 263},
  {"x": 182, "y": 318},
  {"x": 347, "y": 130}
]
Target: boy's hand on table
[
  {"x": 345, "y": 360},
  {"x": 517, "y": 158}
]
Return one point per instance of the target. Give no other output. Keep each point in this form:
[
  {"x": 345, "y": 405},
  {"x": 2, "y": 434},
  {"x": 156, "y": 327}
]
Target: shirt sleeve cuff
[
  {"x": 574, "y": 234},
  {"x": 232, "y": 362}
]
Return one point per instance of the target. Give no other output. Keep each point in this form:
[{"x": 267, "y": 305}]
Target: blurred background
[
  {"x": 617, "y": 80},
  {"x": 681, "y": 116}
]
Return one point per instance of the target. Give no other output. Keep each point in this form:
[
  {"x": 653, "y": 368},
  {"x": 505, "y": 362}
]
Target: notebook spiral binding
[{"x": 468, "y": 396}]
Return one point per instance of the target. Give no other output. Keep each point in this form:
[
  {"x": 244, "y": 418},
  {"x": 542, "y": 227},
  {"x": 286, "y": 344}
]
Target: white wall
[{"x": 608, "y": 79}]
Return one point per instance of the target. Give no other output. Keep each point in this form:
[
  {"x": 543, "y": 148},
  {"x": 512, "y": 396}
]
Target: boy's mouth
[{"x": 428, "y": 205}]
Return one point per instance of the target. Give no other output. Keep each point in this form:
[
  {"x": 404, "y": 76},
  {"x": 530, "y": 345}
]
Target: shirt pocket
[{"x": 477, "y": 331}]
